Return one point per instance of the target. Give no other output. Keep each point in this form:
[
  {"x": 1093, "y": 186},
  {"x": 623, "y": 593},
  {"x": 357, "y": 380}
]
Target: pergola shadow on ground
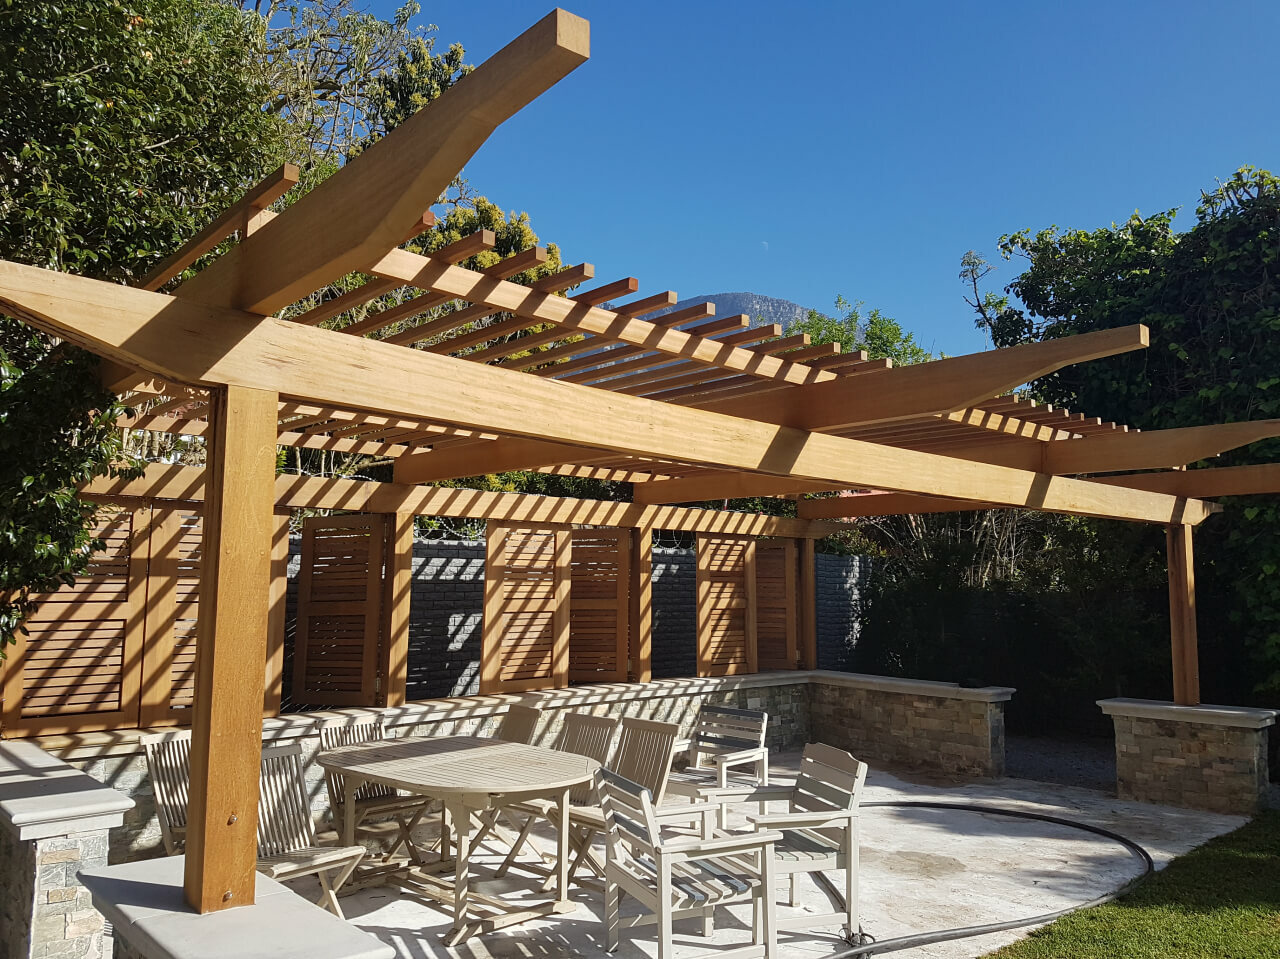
[{"x": 921, "y": 870}]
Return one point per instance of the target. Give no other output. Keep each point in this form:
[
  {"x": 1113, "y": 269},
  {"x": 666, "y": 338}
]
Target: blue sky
[{"x": 808, "y": 149}]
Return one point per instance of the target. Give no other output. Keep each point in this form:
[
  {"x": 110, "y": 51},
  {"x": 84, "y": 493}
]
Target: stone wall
[
  {"x": 938, "y": 726},
  {"x": 1201, "y": 757}
]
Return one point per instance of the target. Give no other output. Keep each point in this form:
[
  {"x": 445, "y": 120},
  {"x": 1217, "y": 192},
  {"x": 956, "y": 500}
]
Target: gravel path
[{"x": 1089, "y": 763}]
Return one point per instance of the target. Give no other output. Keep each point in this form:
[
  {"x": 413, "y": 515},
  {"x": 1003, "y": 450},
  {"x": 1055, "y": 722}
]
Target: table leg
[
  {"x": 562, "y": 847},
  {"x": 460, "y": 818},
  {"x": 352, "y": 786}
]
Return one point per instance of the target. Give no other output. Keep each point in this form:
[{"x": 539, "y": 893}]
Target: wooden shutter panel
[
  {"x": 79, "y": 669},
  {"x": 726, "y": 606},
  {"x": 776, "y": 606},
  {"x": 525, "y": 643},
  {"x": 599, "y": 604},
  {"x": 173, "y": 598},
  {"x": 339, "y": 610}
]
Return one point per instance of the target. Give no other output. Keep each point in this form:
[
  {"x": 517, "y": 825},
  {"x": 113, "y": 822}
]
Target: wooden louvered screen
[
  {"x": 776, "y": 607},
  {"x": 173, "y": 596},
  {"x": 335, "y": 658},
  {"x": 599, "y": 604},
  {"x": 726, "y": 606},
  {"x": 79, "y": 669},
  {"x": 526, "y": 609}
]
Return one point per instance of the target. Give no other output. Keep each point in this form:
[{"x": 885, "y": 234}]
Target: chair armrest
[
  {"x": 802, "y": 820},
  {"x": 681, "y": 746},
  {"x": 742, "y": 756},
  {"x": 685, "y": 810},
  {"x": 746, "y": 793},
  {"x": 719, "y": 846}
]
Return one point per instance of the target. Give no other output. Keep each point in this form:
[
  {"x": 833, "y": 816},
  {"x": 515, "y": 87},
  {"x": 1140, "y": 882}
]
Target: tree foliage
[
  {"x": 881, "y": 336},
  {"x": 1211, "y": 298}
]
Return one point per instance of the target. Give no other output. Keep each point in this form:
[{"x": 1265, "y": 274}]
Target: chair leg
[
  {"x": 612, "y": 925},
  {"x": 762, "y": 768},
  {"x": 851, "y": 881},
  {"x": 666, "y": 943},
  {"x": 770, "y": 913},
  {"x": 709, "y": 921},
  {"x": 791, "y": 897},
  {"x": 328, "y": 894},
  {"x": 516, "y": 846}
]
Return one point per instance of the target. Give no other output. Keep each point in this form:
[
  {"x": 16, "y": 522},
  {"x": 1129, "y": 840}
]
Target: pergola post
[
  {"x": 642, "y": 603},
  {"x": 394, "y": 667},
  {"x": 807, "y": 597},
  {"x": 235, "y": 599},
  {"x": 1182, "y": 615}
]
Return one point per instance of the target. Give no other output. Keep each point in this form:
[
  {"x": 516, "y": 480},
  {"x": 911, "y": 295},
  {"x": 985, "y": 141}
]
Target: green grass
[{"x": 1219, "y": 901}]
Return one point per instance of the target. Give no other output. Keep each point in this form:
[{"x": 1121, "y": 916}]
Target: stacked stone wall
[{"x": 44, "y": 911}]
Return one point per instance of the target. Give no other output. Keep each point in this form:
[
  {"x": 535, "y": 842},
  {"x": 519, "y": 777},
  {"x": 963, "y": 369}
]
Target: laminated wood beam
[
  {"x": 1257, "y": 480},
  {"x": 720, "y": 484},
  {"x": 1182, "y": 615},
  {"x": 349, "y": 221},
  {"x": 187, "y": 484},
  {"x": 208, "y": 346},
  {"x": 882, "y": 504},
  {"x": 1153, "y": 449},
  {"x": 233, "y": 623}
]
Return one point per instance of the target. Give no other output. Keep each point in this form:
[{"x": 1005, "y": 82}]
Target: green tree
[
  {"x": 1211, "y": 298},
  {"x": 881, "y": 336},
  {"x": 123, "y": 124}
]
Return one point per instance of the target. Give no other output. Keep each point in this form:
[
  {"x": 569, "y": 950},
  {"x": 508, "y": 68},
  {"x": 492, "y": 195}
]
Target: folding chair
[{"x": 169, "y": 766}]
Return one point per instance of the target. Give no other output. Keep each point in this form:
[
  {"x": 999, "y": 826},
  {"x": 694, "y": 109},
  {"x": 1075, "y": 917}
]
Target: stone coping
[
  {"x": 913, "y": 687},
  {"x": 42, "y": 796},
  {"x": 144, "y": 902},
  {"x": 295, "y": 725},
  {"x": 1242, "y": 717}
]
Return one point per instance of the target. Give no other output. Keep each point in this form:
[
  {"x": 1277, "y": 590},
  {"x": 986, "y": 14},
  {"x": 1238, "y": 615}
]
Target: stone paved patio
[{"x": 921, "y": 870}]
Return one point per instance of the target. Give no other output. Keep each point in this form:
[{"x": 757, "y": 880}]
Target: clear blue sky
[{"x": 807, "y": 149}]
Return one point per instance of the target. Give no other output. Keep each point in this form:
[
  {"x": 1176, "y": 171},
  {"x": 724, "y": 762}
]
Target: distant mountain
[{"x": 763, "y": 310}]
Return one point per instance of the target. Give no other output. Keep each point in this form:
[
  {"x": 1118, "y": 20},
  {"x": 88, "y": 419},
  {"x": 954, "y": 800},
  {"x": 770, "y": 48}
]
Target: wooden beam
[
  {"x": 233, "y": 218},
  {"x": 194, "y": 343},
  {"x": 720, "y": 484},
  {"x": 1182, "y": 615},
  {"x": 186, "y": 483},
  {"x": 235, "y": 599},
  {"x": 350, "y": 220},
  {"x": 1153, "y": 449},
  {"x": 1258, "y": 480},
  {"x": 882, "y": 504}
]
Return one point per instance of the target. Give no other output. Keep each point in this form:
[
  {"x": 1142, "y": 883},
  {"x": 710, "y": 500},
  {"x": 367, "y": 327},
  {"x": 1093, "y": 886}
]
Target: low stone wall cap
[
  {"x": 1245, "y": 717},
  {"x": 144, "y": 902},
  {"x": 42, "y": 796},
  {"x": 917, "y": 687}
]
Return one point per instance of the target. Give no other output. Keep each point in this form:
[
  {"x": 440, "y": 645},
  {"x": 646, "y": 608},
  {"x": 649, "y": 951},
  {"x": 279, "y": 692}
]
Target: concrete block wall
[
  {"x": 839, "y": 581},
  {"x": 675, "y": 613}
]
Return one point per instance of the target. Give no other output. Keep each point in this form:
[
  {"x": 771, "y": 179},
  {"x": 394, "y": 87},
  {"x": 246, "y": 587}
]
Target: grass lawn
[{"x": 1221, "y": 900}]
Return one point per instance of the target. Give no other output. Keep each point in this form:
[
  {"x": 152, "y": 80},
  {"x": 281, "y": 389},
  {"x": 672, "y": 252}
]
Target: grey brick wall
[{"x": 448, "y": 602}]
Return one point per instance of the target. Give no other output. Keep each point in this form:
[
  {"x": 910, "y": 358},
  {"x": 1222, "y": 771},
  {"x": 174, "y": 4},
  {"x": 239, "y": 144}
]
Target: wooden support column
[
  {"x": 276, "y": 617},
  {"x": 235, "y": 599},
  {"x": 1182, "y": 616},
  {"x": 807, "y": 600},
  {"x": 393, "y": 667},
  {"x": 642, "y": 604}
]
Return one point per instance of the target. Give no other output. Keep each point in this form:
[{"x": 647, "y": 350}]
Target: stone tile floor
[{"x": 921, "y": 870}]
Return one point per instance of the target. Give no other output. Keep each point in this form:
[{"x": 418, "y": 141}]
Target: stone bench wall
[
  {"x": 938, "y": 726},
  {"x": 1201, "y": 757}
]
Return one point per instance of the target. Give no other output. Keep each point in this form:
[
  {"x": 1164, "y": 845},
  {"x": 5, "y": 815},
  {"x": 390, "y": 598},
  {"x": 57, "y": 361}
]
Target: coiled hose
[{"x": 867, "y": 946}]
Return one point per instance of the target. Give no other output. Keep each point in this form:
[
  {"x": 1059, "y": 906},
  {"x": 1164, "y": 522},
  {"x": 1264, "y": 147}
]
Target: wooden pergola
[{"x": 687, "y": 406}]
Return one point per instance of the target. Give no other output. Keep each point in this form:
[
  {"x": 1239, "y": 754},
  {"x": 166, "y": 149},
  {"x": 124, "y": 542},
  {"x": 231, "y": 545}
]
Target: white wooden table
[{"x": 469, "y": 774}]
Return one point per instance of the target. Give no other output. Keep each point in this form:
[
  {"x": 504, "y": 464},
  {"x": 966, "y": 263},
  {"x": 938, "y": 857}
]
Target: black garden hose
[{"x": 867, "y": 946}]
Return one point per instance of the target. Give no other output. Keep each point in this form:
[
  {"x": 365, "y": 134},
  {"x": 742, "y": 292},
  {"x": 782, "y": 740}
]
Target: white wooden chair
[
  {"x": 681, "y": 878},
  {"x": 580, "y": 733},
  {"x": 518, "y": 724},
  {"x": 287, "y": 847},
  {"x": 379, "y": 809},
  {"x": 169, "y": 766},
  {"x": 727, "y": 743},
  {"x": 643, "y": 756},
  {"x": 819, "y": 829}
]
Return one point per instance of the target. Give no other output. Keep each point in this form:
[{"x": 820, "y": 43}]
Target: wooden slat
[
  {"x": 777, "y": 603},
  {"x": 599, "y": 605},
  {"x": 393, "y": 666}
]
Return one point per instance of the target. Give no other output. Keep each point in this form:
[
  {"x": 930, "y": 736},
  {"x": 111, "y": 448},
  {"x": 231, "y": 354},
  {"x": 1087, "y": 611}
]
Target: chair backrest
[
  {"x": 631, "y": 830},
  {"x": 589, "y": 736},
  {"x": 830, "y": 780},
  {"x": 644, "y": 754},
  {"x": 169, "y": 766},
  {"x": 518, "y": 724},
  {"x": 350, "y": 732},
  {"x": 724, "y": 729},
  {"x": 284, "y": 814}
]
